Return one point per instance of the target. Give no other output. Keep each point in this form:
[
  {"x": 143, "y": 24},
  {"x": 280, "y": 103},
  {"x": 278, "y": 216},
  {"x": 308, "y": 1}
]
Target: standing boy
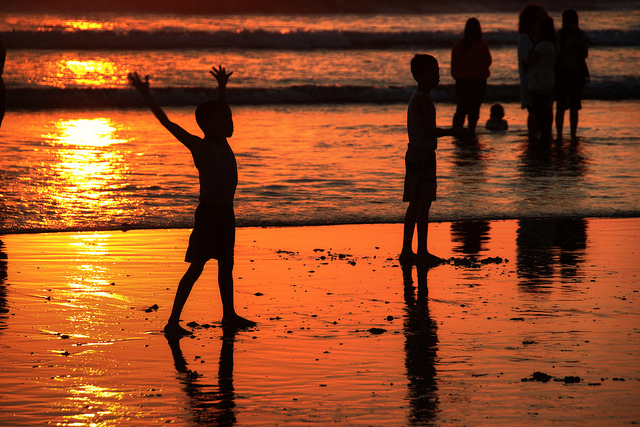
[
  {"x": 420, "y": 160},
  {"x": 214, "y": 233}
]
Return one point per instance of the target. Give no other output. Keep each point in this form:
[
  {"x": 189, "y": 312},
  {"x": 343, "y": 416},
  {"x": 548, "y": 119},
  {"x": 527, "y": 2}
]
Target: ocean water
[{"x": 319, "y": 107}]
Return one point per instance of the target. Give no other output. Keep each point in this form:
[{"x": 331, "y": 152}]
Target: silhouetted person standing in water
[
  {"x": 528, "y": 23},
  {"x": 3, "y": 90},
  {"x": 541, "y": 66},
  {"x": 571, "y": 71},
  {"x": 420, "y": 160},
  {"x": 470, "y": 61},
  {"x": 214, "y": 233}
]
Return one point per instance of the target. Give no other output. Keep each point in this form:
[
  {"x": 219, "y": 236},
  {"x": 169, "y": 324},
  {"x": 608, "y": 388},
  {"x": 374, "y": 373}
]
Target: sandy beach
[{"x": 531, "y": 323}]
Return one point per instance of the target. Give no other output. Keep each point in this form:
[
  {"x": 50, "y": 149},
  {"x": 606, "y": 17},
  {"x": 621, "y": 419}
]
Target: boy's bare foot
[
  {"x": 407, "y": 258},
  {"x": 236, "y": 322},
  {"x": 429, "y": 260},
  {"x": 175, "y": 330}
]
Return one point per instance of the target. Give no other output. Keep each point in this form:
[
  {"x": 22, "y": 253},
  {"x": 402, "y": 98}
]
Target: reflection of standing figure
[
  {"x": 572, "y": 72},
  {"x": 472, "y": 236},
  {"x": 470, "y": 61},
  {"x": 547, "y": 248},
  {"x": 4, "y": 309},
  {"x": 215, "y": 407},
  {"x": 3, "y": 90},
  {"x": 421, "y": 342},
  {"x": 527, "y": 24}
]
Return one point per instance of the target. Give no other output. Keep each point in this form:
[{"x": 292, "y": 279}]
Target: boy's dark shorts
[
  {"x": 420, "y": 179},
  {"x": 214, "y": 234}
]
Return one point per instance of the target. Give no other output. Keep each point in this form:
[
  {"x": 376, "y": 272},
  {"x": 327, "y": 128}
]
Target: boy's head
[
  {"x": 497, "y": 111},
  {"x": 425, "y": 70},
  {"x": 214, "y": 117}
]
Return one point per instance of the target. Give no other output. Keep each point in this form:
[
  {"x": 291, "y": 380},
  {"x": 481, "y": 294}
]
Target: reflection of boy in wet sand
[
  {"x": 420, "y": 159},
  {"x": 214, "y": 233}
]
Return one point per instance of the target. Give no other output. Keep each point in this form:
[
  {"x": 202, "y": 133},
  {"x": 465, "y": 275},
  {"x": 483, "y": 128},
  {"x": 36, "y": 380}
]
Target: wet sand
[{"x": 531, "y": 323}]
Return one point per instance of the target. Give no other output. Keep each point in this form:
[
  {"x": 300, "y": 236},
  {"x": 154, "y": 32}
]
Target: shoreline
[{"x": 290, "y": 225}]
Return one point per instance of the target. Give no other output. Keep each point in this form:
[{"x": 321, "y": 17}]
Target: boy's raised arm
[
  {"x": 221, "y": 75},
  {"x": 143, "y": 87}
]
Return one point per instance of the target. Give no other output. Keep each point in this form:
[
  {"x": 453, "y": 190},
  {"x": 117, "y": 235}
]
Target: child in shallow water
[{"x": 496, "y": 120}]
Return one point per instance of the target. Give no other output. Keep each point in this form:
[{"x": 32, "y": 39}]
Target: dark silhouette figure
[
  {"x": 421, "y": 345},
  {"x": 213, "y": 236},
  {"x": 572, "y": 72},
  {"x": 209, "y": 404},
  {"x": 470, "y": 62},
  {"x": 471, "y": 236},
  {"x": 549, "y": 248},
  {"x": 541, "y": 65},
  {"x": 420, "y": 159},
  {"x": 528, "y": 22},
  {"x": 496, "y": 120},
  {"x": 3, "y": 90}
]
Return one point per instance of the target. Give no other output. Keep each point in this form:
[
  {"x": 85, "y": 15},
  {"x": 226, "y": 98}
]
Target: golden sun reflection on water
[
  {"x": 71, "y": 71},
  {"x": 87, "y": 25},
  {"x": 92, "y": 275},
  {"x": 88, "y": 169},
  {"x": 90, "y": 73},
  {"x": 101, "y": 405},
  {"x": 98, "y": 132}
]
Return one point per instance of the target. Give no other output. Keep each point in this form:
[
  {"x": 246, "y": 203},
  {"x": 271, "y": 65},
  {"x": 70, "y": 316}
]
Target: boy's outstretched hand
[
  {"x": 220, "y": 75},
  {"x": 138, "y": 83}
]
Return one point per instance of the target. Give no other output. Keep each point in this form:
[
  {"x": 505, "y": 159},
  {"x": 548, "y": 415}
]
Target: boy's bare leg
[
  {"x": 406, "y": 255},
  {"x": 184, "y": 289},
  {"x": 423, "y": 256},
  {"x": 230, "y": 319}
]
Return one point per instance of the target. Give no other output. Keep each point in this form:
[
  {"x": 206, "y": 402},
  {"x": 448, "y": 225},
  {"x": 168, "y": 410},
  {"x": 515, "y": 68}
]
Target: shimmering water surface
[
  {"x": 316, "y": 164},
  {"x": 319, "y": 104}
]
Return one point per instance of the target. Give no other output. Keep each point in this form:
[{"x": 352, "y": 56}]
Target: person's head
[
  {"x": 472, "y": 30},
  {"x": 425, "y": 70},
  {"x": 547, "y": 29},
  {"x": 497, "y": 111},
  {"x": 214, "y": 118},
  {"x": 529, "y": 18},
  {"x": 570, "y": 19}
]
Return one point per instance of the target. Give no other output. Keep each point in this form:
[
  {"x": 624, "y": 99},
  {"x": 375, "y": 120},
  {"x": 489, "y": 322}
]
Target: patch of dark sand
[{"x": 544, "y": 378}]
